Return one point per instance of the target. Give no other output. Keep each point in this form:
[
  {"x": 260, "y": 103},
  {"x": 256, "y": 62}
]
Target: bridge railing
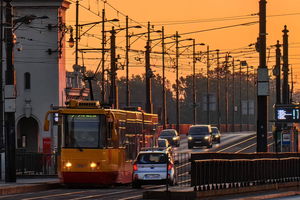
[{"x": 212, "y": 174}]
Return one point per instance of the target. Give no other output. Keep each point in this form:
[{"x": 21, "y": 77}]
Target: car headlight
[
  {"x": 206, "y": 137},
  {"x": 217, "y": 136},
  {"x": 190, "y": 138},
  {"x": 174, "y": 138},
  {"x": 93, "y": 165},
  {"x": 68, "y": 164}
]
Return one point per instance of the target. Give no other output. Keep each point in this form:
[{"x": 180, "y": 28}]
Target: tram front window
[{"x": 84, "y": 131}]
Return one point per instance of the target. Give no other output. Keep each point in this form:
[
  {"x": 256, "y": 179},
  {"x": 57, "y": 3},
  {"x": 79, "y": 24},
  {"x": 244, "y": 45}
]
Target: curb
[
  {"x": 187, "y": 195},
  {"x": 28, "y": 188}
]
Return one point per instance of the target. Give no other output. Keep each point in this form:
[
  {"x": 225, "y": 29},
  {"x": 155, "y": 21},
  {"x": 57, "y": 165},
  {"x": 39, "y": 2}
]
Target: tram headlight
[
  {"x": 68, "y": 164},
  {"x": 206, "y": 137},
  {"x": 93, "y": 165}
]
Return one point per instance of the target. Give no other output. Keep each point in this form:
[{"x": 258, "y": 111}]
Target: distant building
[
  {"x": 75, "y": 88},
  {"x": 40, "y": 69}
]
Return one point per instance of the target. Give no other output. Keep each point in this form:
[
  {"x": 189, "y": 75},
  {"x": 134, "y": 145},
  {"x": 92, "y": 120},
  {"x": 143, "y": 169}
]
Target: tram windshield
[{"x": 84, "y": 131}]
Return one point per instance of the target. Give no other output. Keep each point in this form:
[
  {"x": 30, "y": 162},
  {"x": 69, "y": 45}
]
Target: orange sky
[{"x": 160, "y": 12}]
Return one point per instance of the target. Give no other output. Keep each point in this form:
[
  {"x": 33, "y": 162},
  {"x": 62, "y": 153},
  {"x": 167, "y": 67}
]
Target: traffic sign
[{"x": 287, "y": 113}]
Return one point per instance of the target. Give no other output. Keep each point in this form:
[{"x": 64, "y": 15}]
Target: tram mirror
[{"x": 46, "y": 125}]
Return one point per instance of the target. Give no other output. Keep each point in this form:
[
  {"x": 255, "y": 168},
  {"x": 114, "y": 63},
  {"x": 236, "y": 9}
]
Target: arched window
[{"x": 27, "y": 81}]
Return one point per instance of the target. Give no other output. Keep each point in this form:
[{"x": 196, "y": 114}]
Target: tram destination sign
[{"x": 287, "y": 113}]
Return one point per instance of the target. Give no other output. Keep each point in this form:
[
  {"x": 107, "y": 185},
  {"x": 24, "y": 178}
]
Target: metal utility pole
[
  {"x": 285, "y": 67},
  {"x": 194, "y": 82},
  {"x": 77, "y": 32},
  {"x": 233, "y": 96},
  {"x": 262, "y": 83},
  {"x": 241, "y": 121},
  {"x": 292, "y": 85},
  {"x": 247, "y": 97},
  {"x": 164, "y": 106},
  {"x": 226, "y": 90},
  {"x": 207, "y": 87},
  {"x": 149, "y": 106},
  {"x": 177, "y": 84},
  {"x": 1, "y": 75},
  {"x": 113, "y": 69},
  {"x": 277, "y": 73},
  {"x": 103, "y": 57},
  {"x": 127, "y": 65},
  {"x": 10, "y": 99},
  {"x": 218, "y": 89}
]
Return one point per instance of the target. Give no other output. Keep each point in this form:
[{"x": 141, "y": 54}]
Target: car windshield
[
  {"x": 152, "y": 158},
  {"x": 215, "y": 130},
  {"x": 200, "y": 130},
  {"x": 168, "y": 133},
  {"x": 84, "y": 131}
]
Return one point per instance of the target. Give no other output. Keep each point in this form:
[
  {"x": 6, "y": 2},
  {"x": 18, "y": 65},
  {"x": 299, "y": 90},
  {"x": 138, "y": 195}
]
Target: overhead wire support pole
[
  {"x": 218, "y": 89},
  {"x": 285, "y": 68},
  {"x": 113, "y": 70},
  {"x": 207, "y": 88},
  {"x": 1, "y": 75},
  {"x": 103, "y": 58},
  {"x": 177, "y": 84},
  {"x": 226, "y": 91},
  {"x": 149, "y": 107},
  {"x": 194, "y": 83},
  {"x": 10, "y": 99},
  {"x": 241, "y": 120},
  {"x": 262, "y": 83},
  {"x": 233, "y": 97},
  {"x": 247, "y": 96},
  {"x": 77, "y": 32},
  {"x": 127, "y": 65},
  {"x": 164, "y": 114},
  {"x": 277, "y": 73}
]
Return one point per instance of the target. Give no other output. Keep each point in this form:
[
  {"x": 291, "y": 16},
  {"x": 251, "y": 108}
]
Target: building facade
[{"x": 40, "y": 69}]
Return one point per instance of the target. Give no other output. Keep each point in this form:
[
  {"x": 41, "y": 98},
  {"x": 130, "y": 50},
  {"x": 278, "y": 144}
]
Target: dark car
[
  {"x": 216, "y": 135},
  {"x": 171, "y": 135},
  {"x": 200, "y": 135}
]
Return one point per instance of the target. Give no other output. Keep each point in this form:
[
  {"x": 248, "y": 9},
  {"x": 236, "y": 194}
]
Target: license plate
[
  {"x": 152, "y": 176},
  {"x": 198, "y": 141}
]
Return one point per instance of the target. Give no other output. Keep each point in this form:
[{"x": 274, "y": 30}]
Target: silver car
[{"x": 151, "y": 167}]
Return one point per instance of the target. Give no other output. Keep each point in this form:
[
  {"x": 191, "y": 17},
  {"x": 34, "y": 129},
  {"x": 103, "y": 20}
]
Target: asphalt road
[{"x": 232, "y": 142}]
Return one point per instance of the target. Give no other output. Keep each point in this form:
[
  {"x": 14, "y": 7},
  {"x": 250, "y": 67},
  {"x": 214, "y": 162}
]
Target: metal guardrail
[
  {"x": 183, "y": 168},
  {"x": 210, "y": 174},
  {"x": 28, "y": 163}
]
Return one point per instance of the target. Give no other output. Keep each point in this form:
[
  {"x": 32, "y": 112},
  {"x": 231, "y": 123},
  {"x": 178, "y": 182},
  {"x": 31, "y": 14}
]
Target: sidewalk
[{"x": 28, "y": 185}]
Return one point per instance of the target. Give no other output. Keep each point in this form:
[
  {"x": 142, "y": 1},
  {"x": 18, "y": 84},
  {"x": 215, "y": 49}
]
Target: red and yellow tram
[{"x": 97, "y": 145}]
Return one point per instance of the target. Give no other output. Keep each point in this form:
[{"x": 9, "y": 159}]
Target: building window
[{"x": 27, "y": 80}]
